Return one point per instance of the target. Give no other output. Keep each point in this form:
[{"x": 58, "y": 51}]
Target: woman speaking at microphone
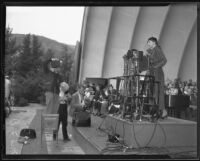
[{"x": 157, "y": 60}]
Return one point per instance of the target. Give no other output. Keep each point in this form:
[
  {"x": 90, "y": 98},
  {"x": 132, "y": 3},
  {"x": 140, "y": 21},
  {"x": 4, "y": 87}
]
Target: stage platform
[
  {"x": 169, "y": 132},
  {"x": 172, "y": 137}
]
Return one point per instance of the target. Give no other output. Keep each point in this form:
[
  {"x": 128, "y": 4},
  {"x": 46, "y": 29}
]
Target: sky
[{"x": 62, "y": 24}]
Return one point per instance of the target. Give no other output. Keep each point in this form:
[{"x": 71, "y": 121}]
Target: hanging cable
[
  {"x": 101, "y": 129},
  {"x": 115, "y": 127},
  {"x": 120, "y": 146},
  {"x": 152, "y": 135},
  {"x": 123, "y": 133},
  {"x": 135, "y": 137},
  {"x": 165, "y": 137},
  {"x": 149, "y": 139}
]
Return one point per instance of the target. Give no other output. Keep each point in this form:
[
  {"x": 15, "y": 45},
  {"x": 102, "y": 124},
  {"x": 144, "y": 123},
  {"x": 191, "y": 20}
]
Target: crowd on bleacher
[{"x": 178, "y": 87}]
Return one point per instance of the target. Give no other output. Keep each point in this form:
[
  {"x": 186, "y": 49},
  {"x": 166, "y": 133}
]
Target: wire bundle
[{"x": 120, "y": 145}]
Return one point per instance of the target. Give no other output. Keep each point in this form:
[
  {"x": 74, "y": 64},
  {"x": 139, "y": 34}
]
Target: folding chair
[{"x": 49, "y": 123}]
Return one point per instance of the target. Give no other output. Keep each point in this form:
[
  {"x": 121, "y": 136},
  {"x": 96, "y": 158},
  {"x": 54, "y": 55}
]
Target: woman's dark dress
[{"x": 157, "y": 61}]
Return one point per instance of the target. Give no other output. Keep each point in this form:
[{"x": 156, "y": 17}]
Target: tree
[
  {"x": 25, "y": 60},
  {"x": 66, "y": 67},
  {"x": 11, "y": 49},
  {"x": 10, "y": 43},
  {"x": 30, "y": 76},
  {"x": 67, "y": 63},
  {"x": 36, "y": 54}
]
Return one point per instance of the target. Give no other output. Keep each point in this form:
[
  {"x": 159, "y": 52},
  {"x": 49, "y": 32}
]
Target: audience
[
  {"x": 98, "y": 99},
  {"x": 178, "y": 87}
]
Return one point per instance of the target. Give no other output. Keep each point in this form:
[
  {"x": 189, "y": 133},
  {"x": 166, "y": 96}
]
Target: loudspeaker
[{"x": 81, "y": 119}]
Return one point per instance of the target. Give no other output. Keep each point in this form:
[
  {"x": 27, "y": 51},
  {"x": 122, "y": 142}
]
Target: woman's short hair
[
  {"x": 65, "y": 86},
  {"x": 153, "y": 39}
]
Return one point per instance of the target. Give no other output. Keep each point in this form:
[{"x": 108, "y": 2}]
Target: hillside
[{"x": 47, "y": 43}]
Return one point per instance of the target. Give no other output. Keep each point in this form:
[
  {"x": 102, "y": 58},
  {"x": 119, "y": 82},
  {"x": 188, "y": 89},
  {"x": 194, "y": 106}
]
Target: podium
[{"x": 49, "y": 124}]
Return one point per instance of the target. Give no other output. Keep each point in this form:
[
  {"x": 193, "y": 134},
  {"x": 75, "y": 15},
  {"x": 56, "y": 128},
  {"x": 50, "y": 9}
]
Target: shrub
[
  {"x": 42, "y": 100},
  {"x": 22, "y": 102}
]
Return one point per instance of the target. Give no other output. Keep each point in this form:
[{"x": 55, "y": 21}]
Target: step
[{"x": 91, "y": 139}]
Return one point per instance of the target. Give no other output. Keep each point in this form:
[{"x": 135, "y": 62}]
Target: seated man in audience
[
  {"x": 77, "y": 103},
  {"x": 88, "y": 98},
  {"x": 105, "y": 95},
  {"x": 187, "y": 90},
  {"x": 96, "y": 103},
  {"x": 173, "y": 89},
  {"x": 190, "y": 82}
]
